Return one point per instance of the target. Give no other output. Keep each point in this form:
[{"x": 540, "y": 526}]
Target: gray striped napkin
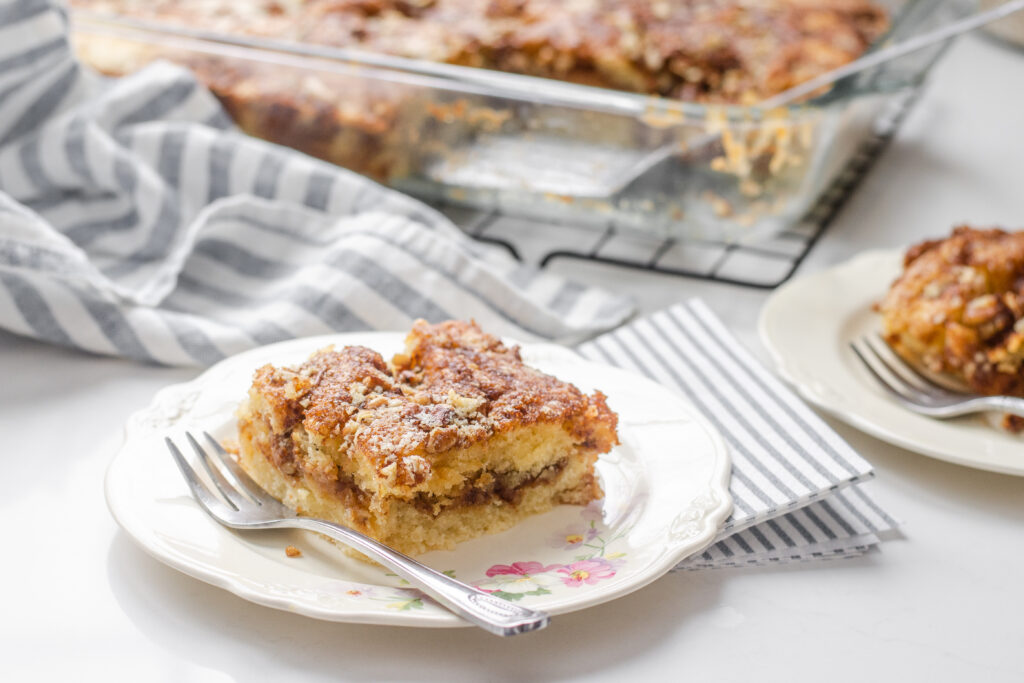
[
  {"x": 135, "y": 221},
  {"x": 844, "y": 524},
  {"x": 788, "y": 465}
]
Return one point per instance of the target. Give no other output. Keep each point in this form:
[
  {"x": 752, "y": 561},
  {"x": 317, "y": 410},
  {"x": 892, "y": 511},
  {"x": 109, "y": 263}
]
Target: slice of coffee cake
[{"x": 454, "y": 439}]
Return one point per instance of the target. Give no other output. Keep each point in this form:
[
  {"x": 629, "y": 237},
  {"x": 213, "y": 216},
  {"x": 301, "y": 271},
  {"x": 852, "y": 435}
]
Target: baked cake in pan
[
  {"x": 733, "y": 51},
  {"x": 713, "y": 51},
  {"x": 455, "y": 438},
  {"x": 958, "y": 308}
]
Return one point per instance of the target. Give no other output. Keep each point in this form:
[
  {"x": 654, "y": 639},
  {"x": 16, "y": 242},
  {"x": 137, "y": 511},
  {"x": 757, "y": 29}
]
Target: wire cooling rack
[{"x": 764, "y": 265}]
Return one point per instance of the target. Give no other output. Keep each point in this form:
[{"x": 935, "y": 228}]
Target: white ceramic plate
[
  {"x": 666, "y": 486},
  {"x": 807, "y": 326}
]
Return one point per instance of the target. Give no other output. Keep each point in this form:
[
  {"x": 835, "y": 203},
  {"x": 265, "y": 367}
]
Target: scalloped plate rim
[
  {"x": 870, "y": 263},
  {"x": 250, "y": 590}
]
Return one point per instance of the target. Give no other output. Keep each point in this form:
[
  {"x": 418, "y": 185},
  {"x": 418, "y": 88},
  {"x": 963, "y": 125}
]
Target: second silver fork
[{"x": 916, "y": 392}]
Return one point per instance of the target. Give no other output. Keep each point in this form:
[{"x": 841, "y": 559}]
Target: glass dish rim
[{"x": 494, "y": 83}]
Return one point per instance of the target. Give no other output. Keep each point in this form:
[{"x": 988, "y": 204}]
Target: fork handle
[
  {"x": 1007, "y": 404},
  {"x": 493, "y": 614}
]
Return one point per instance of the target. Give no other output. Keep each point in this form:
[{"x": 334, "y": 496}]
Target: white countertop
[{"x": 942, "y": 603}]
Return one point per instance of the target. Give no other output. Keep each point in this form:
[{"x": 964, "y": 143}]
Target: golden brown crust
[
  {"x": 340, "y": 383},
  {"x": 453, "y": 387},
  {"x": 456, "y": 363},
  {"x": 958, "y": 308}
]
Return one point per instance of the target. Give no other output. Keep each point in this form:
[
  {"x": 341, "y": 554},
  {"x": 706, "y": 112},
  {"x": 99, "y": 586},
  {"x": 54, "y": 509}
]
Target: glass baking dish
[{"x": 532, "y": 146}]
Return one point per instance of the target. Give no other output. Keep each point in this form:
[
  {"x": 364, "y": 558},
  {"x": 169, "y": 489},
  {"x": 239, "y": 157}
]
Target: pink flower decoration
[
  {"x": 586, "y": 572},
  {"x": 519, "y": 568}
]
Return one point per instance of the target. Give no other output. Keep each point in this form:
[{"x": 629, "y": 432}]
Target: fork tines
[
  {"x": 235, "y": 488},
  {"x": 918, "y": 393},
  {"x": 896, "y": 374}
]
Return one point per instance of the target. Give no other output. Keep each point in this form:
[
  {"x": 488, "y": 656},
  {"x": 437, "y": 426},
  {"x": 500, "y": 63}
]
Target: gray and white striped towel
[
  {"x": 135, "y": 221},
  {"x": 789, "y": 467}
]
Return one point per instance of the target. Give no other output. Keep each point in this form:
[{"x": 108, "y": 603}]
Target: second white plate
[{"x": 807, "y": 326}]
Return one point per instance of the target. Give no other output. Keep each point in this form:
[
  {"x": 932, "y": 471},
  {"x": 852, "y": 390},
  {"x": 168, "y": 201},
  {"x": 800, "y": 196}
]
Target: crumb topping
[
  {"x": 473, "y": 375},
  {"x": 453, "y": 386},
  {"x": 337, "y": 384}
]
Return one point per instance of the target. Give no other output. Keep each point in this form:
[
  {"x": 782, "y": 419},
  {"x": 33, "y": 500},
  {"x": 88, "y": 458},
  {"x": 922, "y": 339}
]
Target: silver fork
[
  {"x": 243, "y": 504},
  {"x": 916, "y": 392}
]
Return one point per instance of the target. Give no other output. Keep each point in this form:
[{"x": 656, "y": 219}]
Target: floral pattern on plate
[{"x": 595, "y": 560}]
